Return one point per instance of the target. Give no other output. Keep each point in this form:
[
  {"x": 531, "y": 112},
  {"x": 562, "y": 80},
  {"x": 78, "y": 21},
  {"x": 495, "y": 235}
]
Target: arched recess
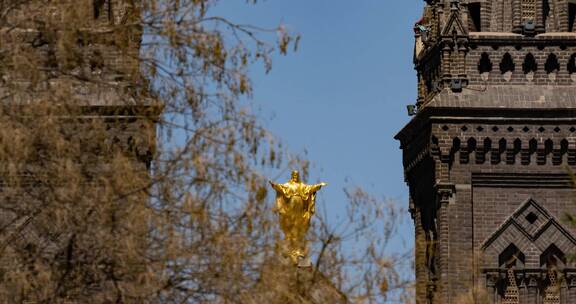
[
  {"x": 530, "y": 65},
  {"x": 571, "y": 15},
  {"x": 546, "y": 12},
  {"x": 456, "y": 143},
  {"x": 572, "y": 64},
  {"x": 511, "y": 257},
  {"x": 507, "y": 64},
  {"x": 475, "y": 16},
  {"x": 553, "y": 257},
  {"x": 552, "y": 65},
  {"x": 485, "y": 65}
]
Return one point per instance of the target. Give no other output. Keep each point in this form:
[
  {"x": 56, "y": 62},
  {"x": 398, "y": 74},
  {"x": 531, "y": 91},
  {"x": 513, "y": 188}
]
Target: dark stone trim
[{"x": 522, "y": 180}]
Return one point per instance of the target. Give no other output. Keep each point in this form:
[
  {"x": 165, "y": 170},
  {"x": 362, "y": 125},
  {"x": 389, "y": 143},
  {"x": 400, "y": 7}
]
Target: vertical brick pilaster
[
  {"x": 420, "y": 253},
  {"x": 562, "y": 13},
  {"x": 516, "y": 16},
  {"x": 435, "y": 23},
  {"x": 540, "y": 26},
  {"x": 421, "y": 89},
  {"x": 445, "y": 195},
  {"x": 441, "y": 16},
  {"x": 446, "y": 62},
  {"x": 443, "y": 254},
  {"x": 485, "y": 15},
  {"x": 462, "y": 51}
]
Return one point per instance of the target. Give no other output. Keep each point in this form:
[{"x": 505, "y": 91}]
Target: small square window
[{"x": 531, "y": 218}]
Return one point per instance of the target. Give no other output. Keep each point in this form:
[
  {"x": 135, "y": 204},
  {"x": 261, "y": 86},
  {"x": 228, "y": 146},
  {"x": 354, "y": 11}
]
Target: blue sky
[{"x": 342, "y": 96}]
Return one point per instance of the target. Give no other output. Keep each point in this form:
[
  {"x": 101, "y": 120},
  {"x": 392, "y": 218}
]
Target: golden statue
[{"x": 295, "y": 204}]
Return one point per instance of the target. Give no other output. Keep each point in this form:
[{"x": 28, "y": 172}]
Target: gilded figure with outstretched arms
[{"x": 295, "y": 205}]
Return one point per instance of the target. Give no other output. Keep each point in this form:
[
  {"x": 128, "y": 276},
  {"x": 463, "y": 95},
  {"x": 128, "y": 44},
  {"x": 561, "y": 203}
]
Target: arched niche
[{"x": 511, "y": 257}]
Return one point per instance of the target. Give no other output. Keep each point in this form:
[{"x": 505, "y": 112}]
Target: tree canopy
[{"x": 132, "y": 172}]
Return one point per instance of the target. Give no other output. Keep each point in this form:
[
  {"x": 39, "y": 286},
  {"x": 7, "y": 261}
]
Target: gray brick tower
[
  {"x": 101, "y": 74},
  {"x": 488, "y": 153},
  {"x": 102, "y": 82}
]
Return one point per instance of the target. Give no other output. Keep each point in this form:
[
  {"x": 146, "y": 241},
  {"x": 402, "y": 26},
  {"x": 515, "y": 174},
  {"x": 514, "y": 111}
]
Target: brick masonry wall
[
  {"x": 478, "y": 212},
  {"x": 502, "y": 139}
]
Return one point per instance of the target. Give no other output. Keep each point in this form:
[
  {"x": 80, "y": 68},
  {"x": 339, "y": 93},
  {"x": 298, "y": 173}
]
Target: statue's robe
[{"x": 295, "y": 204}]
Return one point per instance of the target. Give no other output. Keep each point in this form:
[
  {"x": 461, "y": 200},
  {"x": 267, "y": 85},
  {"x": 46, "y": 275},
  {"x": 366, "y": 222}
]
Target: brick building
[
  {"x": 487, "y": 155},
  {"x": 103, "y": 87}
]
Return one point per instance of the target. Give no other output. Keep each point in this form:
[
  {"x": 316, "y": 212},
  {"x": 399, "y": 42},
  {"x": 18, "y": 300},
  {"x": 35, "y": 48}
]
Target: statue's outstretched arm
[
  {"x": 317, "y": 187},
  {"x": 275, "y": 186}
]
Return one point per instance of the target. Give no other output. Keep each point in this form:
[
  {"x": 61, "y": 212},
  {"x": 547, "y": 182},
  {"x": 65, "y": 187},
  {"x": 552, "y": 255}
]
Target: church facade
[{"x": 488, "y": 154}]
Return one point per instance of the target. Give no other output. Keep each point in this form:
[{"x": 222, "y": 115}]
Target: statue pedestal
[{"x": 283, "y": 282}]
